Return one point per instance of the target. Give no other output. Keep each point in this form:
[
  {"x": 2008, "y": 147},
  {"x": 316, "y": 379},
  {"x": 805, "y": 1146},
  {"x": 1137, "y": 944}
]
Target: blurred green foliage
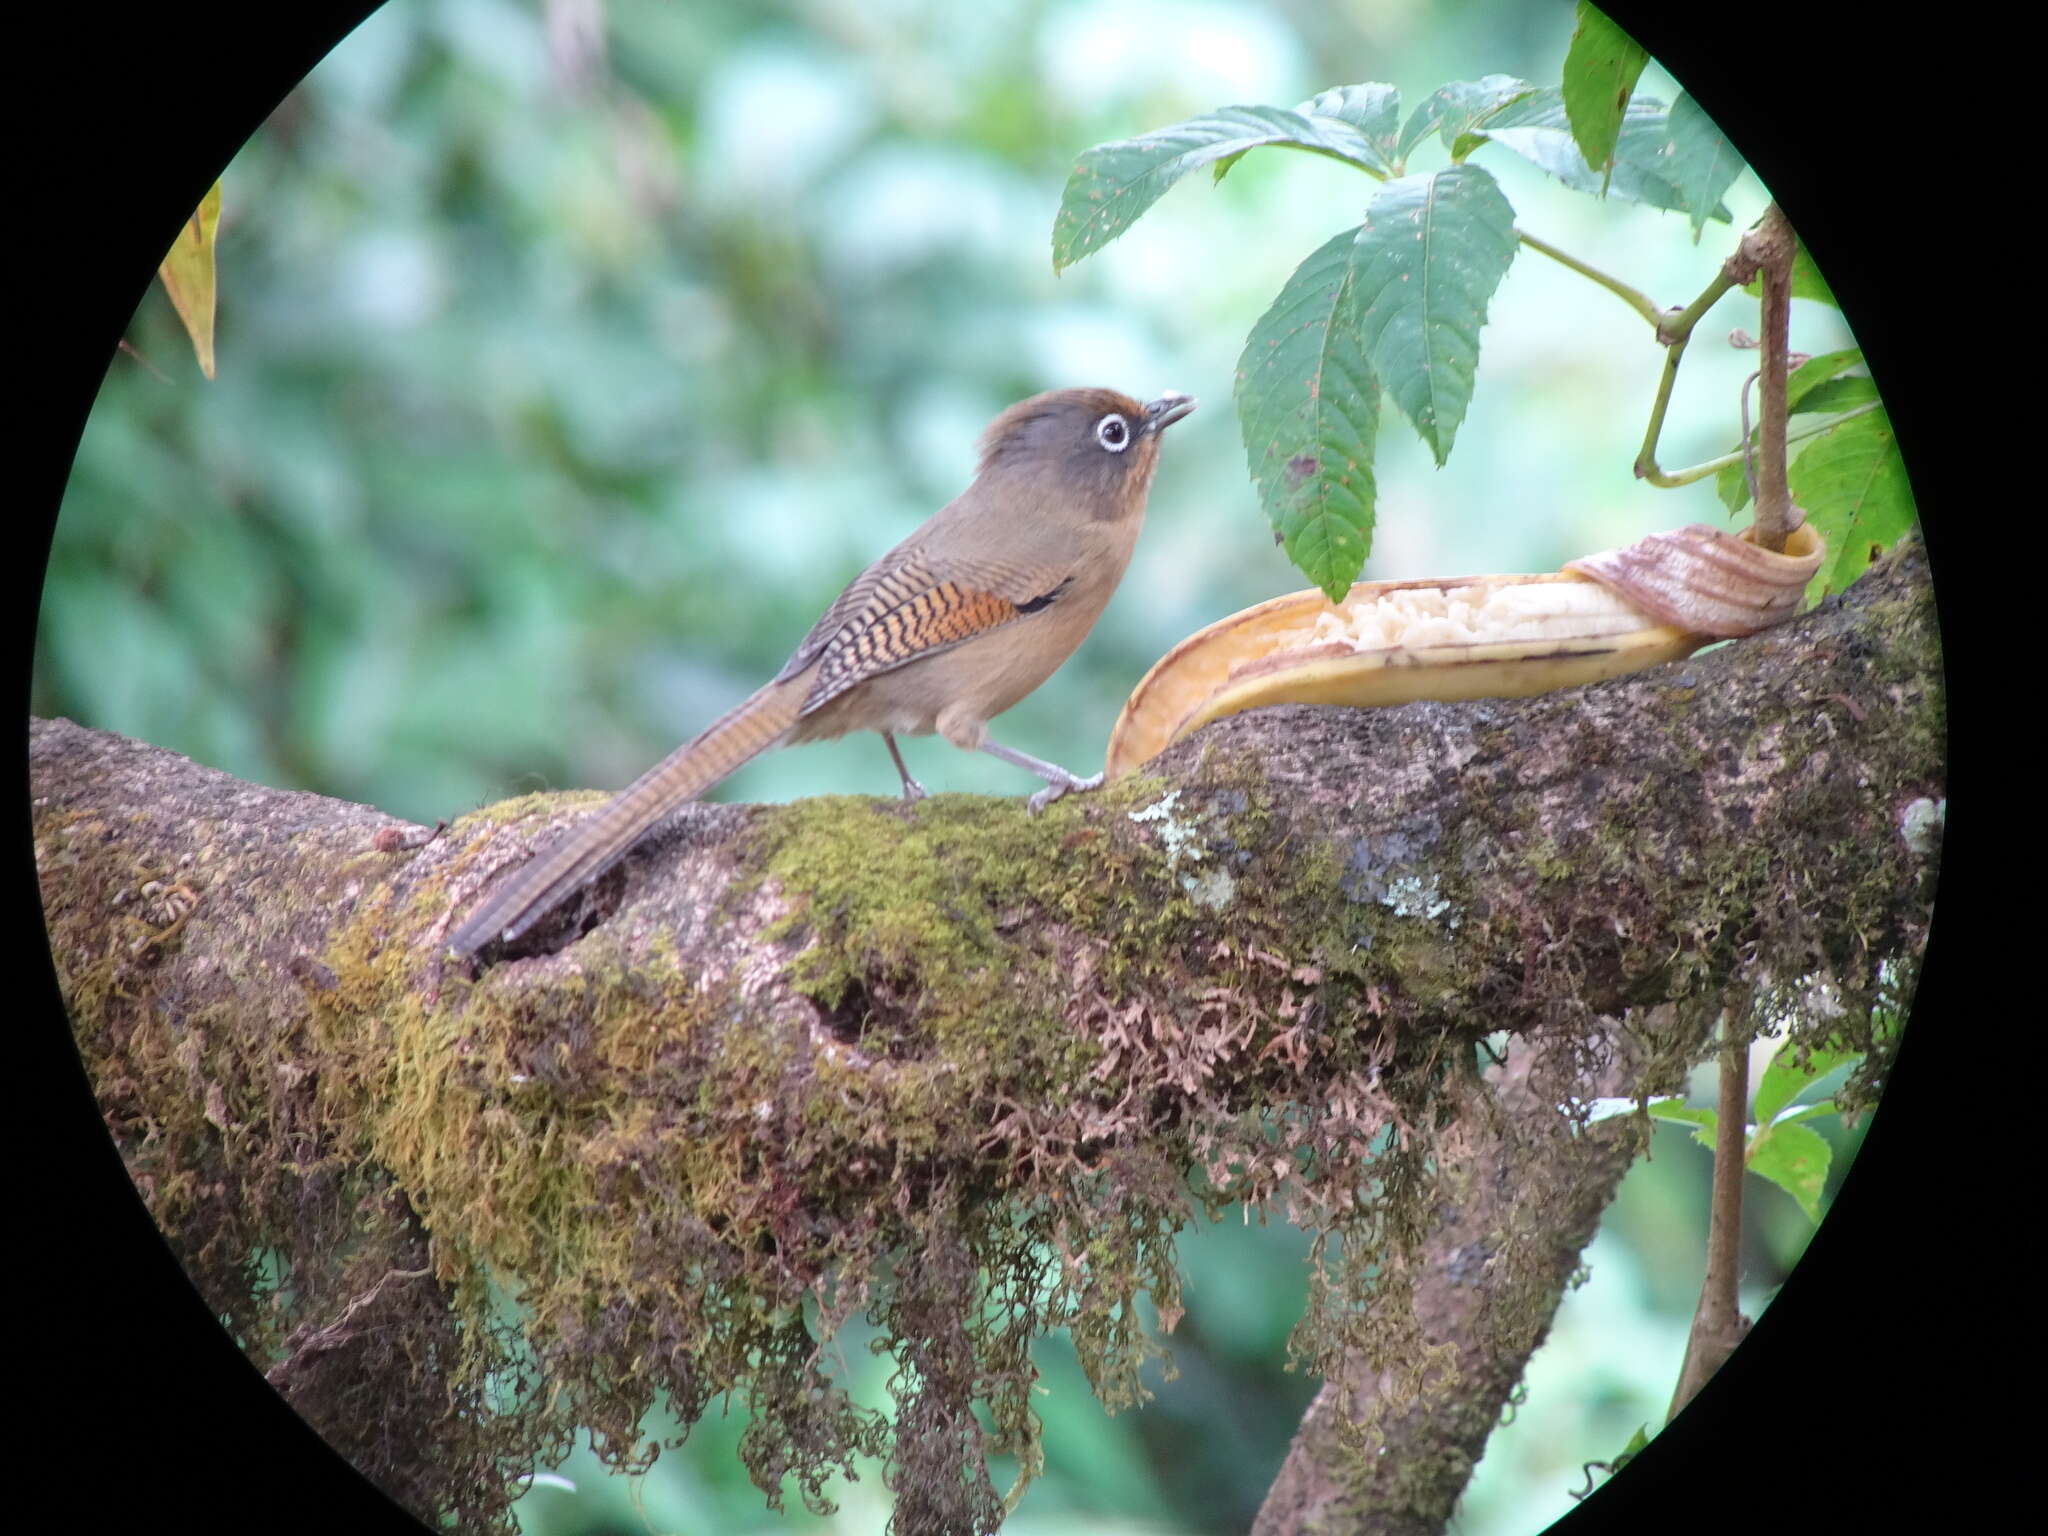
[{"x": 561, "y": 386}]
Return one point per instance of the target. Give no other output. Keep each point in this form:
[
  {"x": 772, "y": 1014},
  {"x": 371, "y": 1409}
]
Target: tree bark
[
  {"x": 1318, "y": 908},
  {"x": 1532, "y": 1188}
]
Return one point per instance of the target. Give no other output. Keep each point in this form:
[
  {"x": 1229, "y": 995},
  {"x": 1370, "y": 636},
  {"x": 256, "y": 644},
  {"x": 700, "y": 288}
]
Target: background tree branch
[{"x": 799, "y": 1039}]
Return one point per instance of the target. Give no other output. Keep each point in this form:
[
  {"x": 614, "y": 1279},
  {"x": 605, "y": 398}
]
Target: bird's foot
[
  {"x": 912, "y": 790},
  {"x": 1058, "y": 787}
]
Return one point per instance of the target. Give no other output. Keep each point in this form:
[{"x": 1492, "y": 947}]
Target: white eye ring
[{"x": 1113, "y": 432}]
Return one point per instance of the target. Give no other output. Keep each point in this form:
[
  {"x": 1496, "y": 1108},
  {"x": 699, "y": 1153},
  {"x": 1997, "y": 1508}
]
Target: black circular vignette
[
  {"x": 1861, "y": 1393},
  {"x": 148, "y": 1413}
]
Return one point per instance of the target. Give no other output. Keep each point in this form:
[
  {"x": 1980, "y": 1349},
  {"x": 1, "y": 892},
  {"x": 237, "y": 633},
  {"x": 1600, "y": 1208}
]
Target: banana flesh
[{"x": 1394, "y": 642}]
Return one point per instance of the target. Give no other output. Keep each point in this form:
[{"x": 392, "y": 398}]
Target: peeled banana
[{"x": 1467, "y": 637}]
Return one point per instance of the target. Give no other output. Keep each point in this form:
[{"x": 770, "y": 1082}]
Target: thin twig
[
  {"x": 1718, "y": 1324},
  {"x": 1748, "y": 467},
  {"x": 1675, "y": 329},
  {"x": 1635, "y": 298},
  {"x": 1700, "y": 471}
]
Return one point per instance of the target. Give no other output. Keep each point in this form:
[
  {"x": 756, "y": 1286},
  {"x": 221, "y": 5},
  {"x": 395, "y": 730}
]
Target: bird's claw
[
  {"x": 1059, "y": 787},
  {"x": 912, "y": 790}
]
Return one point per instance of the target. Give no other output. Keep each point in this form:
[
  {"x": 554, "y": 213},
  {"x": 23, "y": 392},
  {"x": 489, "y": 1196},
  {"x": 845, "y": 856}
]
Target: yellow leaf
[{"x": 187, "y": 275}]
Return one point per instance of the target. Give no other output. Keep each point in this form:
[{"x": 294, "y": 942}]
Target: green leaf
[
  {"x": 1807, "y": 283},
  {"x": 1811, "y": 1111},
  {"x": 187, "y": 276},
  {"x": 1223, "y": 166},
  {"x": 1373, "y": 109},
  {"x": 1703, "y": 1121},
  {"x": 1112, "y": 184},
  {"x": 1817, "y": 370},
  {"x": 1308, "y": 405},
  {"x": 1730, "y": 483},
  {"x": 1535, "y": 128},
  {"x": 1451, "y": 110},
  {"x": 1777, "y": 1087},
  {"x": 1795, "y": 1158},
  {"x": 1831, "y": 395},
  {"x": 1600, "y": 72},
  {"x": 1430, "y": 254},
  {"x": 1852, "y": 484},
  {"x": 1702, "y": 164},
  {"x": 1784, "y": 1078},
  {"x": 1636, "y": 1442}
]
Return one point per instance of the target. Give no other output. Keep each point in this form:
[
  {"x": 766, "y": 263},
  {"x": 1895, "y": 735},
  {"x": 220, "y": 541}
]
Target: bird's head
[{"x": 1089, "y": 445}]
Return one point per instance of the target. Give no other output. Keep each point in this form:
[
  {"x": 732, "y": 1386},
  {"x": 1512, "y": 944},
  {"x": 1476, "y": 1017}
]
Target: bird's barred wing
[
  {"x": 858, "y": 598},
  {"x": 913, "y": 605}
]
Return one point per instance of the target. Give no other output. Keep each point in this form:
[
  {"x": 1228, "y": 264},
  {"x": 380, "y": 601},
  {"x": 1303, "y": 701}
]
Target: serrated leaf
[
  {"x": 1831, "y": 395},
  {"x": 1784, "y": 1079},
  {"x": 1223, "y": 166},
  {"x": 1601, "y": 68},
  {"x": 1112, "y": 184},
  {"x": 187, "y": 273},
  {"x": 1821, "y": 1061},
  {"x": 1807, "y": 283},
  {"x": 1452, "y": 109},
  {"x": 1817, "y": 370},
  {"x": 1373, "y": 109},
  {"x": 1308, "y": 405},
  {"x": 1703, "y": 164},
  {"x": 1679, "y": 1114},
  {"x": 1731, "y": 484},
  {"x": 1811, "y": 1111},
  {"x": 1431, "y": 252},
  {"x": 1852, "y": 485},
  {"x": 1777, "y": 1087},
  {"x": 1535, "y": 128},
  {"x": 1795, "y": 1158}
]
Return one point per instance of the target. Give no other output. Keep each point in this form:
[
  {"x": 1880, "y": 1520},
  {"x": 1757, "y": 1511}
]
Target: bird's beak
[{"x": 1166, "y": 410}]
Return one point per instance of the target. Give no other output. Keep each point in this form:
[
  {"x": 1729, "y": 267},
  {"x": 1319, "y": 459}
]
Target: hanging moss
[{"x": 1001, "y": 1062}]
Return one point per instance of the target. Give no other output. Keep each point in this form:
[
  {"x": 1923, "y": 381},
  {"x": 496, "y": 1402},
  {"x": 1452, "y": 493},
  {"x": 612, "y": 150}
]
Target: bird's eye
[{"x": 1113, "y": 432}]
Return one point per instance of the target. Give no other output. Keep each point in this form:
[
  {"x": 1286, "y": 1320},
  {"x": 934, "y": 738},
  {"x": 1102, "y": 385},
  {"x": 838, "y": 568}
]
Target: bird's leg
[
  {"x": 912, "y": 790},
  {"x": 1057, "y": 780}
]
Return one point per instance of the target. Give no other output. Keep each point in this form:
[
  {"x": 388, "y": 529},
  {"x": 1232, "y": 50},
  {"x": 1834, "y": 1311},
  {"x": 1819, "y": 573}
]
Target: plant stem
[
  {"x": 1680, "y": 325},
  {"x": 1718, "y": 1324},
  {"x": 1635, "y": 298},
  {"x": 1646, "y": 456},
  {"x": 1772, "y": 245},
  {"x": 1675, "y": 330},
  {"x": 1700, "y": 471}
]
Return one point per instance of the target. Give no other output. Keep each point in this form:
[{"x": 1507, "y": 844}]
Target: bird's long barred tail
[{"x": 593, "y": 845}]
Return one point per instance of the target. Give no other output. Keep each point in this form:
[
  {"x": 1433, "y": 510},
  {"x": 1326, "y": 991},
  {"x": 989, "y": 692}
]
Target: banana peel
[{"x": 1467, "y": 637}]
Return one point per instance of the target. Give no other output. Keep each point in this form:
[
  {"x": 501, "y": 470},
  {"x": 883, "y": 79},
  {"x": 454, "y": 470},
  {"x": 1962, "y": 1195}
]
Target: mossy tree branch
[{"x": 797, "y": 1040}]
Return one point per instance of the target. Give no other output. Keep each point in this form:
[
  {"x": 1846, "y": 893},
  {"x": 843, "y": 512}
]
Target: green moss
[{"x": 646, "y": 1191}]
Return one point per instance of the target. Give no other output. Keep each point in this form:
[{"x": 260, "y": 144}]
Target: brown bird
[{"x": 943, "y": 633}]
